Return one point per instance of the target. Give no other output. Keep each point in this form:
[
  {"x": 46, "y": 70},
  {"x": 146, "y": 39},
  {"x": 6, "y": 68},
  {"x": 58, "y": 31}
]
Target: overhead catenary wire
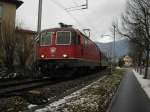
[
  {"x": 75, "y": 2},
  {"x": 75, "y": 7},
  {"x": 73, "y": 17}
]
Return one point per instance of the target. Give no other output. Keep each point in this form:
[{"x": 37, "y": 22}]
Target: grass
[{"x": 97, "y": 97}]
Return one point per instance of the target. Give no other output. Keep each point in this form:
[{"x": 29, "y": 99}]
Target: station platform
[{"x": 130, "y": 96}]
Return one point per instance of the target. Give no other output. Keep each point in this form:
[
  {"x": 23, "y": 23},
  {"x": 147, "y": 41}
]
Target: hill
[{"x": 121, "y": 47}]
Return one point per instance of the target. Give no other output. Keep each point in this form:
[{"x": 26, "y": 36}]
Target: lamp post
[
  {"x": 113, "y": 54},
  {"x": 114, "y": 44},
  {"x": 113, "y": 47}
]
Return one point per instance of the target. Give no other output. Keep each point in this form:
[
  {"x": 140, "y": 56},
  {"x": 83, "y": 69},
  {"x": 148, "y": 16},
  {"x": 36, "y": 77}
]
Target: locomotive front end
[{"x": 56, "y": 49}]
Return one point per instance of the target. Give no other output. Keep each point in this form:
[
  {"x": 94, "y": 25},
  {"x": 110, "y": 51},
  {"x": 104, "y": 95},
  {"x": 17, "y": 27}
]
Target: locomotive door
[
  {"x": 82, "y": 46},
  {"x": 79, "y": 46}
]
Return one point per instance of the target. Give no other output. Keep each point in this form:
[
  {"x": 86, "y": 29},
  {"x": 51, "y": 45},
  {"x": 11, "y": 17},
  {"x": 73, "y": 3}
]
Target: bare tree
[
  {"x": 24, "y": 51},
  {"x": 8, "y": 44},
  {"x": 136, "y": 26},
  {"x": 16, "y": 49}
]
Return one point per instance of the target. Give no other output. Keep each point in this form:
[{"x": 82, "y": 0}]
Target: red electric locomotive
[{"x": 67, "y": 48}]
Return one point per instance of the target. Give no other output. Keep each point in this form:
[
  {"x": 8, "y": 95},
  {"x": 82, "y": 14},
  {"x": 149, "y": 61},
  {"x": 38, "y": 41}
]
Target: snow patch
[
  {"x": 54, "y": 107},
  {"x": 31, "y": 106},
  {"x": 145, "y": 83}
]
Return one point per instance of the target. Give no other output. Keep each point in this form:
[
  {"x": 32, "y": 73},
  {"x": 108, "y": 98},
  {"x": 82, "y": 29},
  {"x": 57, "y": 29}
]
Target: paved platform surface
[{"x": 130, "y": 96}]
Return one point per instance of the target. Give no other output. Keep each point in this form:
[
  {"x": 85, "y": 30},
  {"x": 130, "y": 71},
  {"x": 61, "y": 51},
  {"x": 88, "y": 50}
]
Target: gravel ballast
[
  {"x": 93, "y": 98},
  {"x": 92, "y": 93},
  {"x": 24, "y": 101}
]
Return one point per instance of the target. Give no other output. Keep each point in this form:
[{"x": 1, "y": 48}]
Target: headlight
[
  {"x": 65, "y": 55},
  {"x": 42, "y": 56}
]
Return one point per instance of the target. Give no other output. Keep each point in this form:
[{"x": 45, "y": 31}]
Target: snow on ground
[
  {"x": 55, "y": 106},
  {"x": 92, "y": 98},
  {"x": 145, "y": 83},
  {"x": 31, "y": 106}
]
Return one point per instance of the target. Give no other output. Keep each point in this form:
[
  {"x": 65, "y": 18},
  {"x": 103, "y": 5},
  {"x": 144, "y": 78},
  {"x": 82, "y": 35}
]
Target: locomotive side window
[
  {"x": 63, "y": 38},
  {"x": 78, "y": 40},
  {"x": 75, "y": 38},
  {"x": 45, "y": 39},
  {"x": 85, "y": 43}
]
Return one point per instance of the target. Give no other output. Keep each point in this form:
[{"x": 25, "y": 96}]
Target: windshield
[
  {"x": 63, "y": 38},
  {"x": 45, "y": 39}
]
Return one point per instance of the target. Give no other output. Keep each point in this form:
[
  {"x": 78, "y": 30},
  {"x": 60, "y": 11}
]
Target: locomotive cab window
[
  {"x": 63, "y": 38},
  {"x": 45, "y": 39}
]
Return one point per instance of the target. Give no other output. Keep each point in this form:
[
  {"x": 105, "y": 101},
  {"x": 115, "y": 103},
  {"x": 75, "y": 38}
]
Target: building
[
  {"x": 8, "y": 11},
  {"x": 29, "y": 33},
  {"x": 128, "y": 61},
  {"x": 26, "y": 42},
  {"x": 24, "y": 39}
]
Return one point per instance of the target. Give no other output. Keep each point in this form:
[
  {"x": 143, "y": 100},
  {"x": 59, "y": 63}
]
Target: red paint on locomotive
[{"x": 76, "y": 47}]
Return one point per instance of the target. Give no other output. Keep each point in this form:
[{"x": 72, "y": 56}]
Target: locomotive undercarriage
[
  {"x": 53, "y": 69},
  {"x": 65, "y": 68}
]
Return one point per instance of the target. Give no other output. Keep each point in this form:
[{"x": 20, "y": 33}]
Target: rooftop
[
  {"x": 18, "y": 3},
  {"x": 26, "y": 31}
]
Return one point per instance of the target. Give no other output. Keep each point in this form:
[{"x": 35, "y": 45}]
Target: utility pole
[
  {"x": 39, "y": 17},
  {"x": 37, "y": 38},
  {"x": 87, "y": 3},
  {"x": 114, "y": 54}
]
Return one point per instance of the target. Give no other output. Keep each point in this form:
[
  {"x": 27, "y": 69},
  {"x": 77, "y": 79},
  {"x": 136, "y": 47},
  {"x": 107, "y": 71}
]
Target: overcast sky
[{"x": 98, "y": 17}]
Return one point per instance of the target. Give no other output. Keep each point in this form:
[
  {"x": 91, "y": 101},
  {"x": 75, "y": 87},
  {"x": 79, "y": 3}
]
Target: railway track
[
  {"x": 16, "y": 87},
  {"x": 10, "y": 87},
  {"x": 42, "y": 92}
]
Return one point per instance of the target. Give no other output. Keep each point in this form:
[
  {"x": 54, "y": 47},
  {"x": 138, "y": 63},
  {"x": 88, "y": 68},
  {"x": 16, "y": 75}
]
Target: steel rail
[{"x": 19, "y": 88}]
